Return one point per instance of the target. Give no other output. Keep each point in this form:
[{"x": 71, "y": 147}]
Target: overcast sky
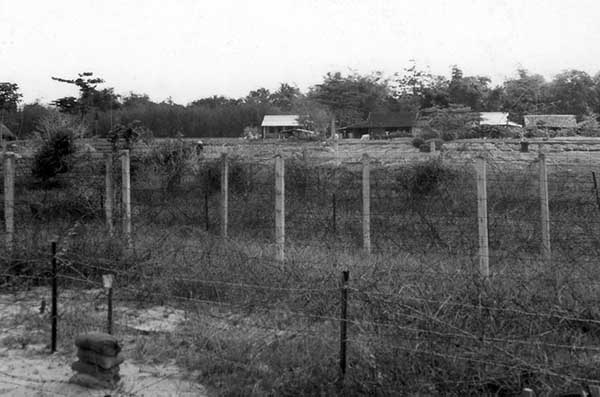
[{"x": 189, "y": 49}]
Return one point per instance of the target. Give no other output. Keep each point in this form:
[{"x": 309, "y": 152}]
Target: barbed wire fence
[{"x": 469, "y": 272}]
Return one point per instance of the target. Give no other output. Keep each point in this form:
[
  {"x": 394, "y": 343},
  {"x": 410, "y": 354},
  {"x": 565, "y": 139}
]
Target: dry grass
[{"x": 421, "y": 320}]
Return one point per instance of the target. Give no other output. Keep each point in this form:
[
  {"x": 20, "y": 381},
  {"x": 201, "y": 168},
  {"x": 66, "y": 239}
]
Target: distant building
[
  {"x": 550, "y": 121},
  {"x": 382, "y": 125},
  {"x": 496, "y": 119},
  {"x": 276, "y": 124}
]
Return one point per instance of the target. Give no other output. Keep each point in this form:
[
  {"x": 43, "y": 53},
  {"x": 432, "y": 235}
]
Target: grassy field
[{"x": 421, "y": 319}]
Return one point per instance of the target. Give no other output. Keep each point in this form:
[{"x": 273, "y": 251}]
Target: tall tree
[
  {"x": 259, "y": 96},
  {"x": 89, "y": 96},
  {"x": 527, "y": 93},
  {"x": 350, "y": 98},
  {"x": 417, "y": 89},
  {"x": 471, "y": 91},
  {"x": 9, "y": 97},
  {"x": 573, "y": 92},
  {"x": 284, "y": 97}
]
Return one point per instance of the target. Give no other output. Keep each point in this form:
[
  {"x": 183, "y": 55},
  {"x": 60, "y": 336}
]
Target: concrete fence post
[
  {"x": 224, "y": 195},
  {"x": 280, "y": 208},
  {"x": 9, "y": 199},
  {"x": 482, "y": 219},
  {"x": 126, "y": 195},
  {"x": 545, "y": 210},
  {"x": 366, "y": 200},
  {"x": 109, "y": 192}
]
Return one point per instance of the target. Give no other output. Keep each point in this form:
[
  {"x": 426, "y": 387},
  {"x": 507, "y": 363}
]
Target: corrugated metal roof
[
  {"x": 550, "y": 120},
  {"x": 289, "y": 120},
  {"x": 493, "y": 118}
]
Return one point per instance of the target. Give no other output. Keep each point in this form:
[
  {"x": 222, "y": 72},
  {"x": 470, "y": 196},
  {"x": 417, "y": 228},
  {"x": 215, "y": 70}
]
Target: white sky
[{"x": 189, "y": 49}]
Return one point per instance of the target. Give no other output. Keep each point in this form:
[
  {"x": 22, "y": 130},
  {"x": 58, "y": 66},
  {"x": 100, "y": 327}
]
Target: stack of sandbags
[{"x": 98, "y": 361}]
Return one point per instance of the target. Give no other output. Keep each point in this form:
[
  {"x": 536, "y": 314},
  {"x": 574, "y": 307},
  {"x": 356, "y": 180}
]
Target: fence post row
[
  {"x": 109, "y": 193},
  {"x": 126, "y": 195},
  {"x": 545, "y": 210},
  {"x": 366, "y": 199},
  {"x": 482, "y": 219},
  {"x": 224, "y": 194},
  {"x": 9, "y": 199},
  {"x": 280, "y": 207}
]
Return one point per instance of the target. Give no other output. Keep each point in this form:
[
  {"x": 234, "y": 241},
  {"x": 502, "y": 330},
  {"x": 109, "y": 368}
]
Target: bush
[
  {"x": 426, "y": 177},
  {"x": 54, "y": 157},
  {"x": 448, "y": 136},
  {"x": 171, "y": 161},
  {"x": 125, "y": 136},
  {"x": 426, "y": 146},
  {"x": 418, "y": 142},
  {"x": 429, "y": 133}
]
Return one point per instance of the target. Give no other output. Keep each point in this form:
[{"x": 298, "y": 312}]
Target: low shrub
[
  {"x": 418, "y": 142},
  {"x": 448, "y": 136},
  {"x": 429, "y": 133},
  {"x": 54, "y": 157},
  {"x": 426, "y": 177},
  {"x": 171, "y": 161}
]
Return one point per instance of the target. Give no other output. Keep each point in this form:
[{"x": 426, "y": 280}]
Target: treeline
[{"x": 346, "y": 97}]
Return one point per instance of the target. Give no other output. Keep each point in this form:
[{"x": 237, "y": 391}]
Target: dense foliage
[
  {"x": 54, "y": 157},
  {"x": 346, "y": 97}
]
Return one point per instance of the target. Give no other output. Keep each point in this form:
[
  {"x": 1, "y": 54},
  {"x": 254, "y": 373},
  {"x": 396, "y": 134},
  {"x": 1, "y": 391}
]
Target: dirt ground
[{"x": 28, "y": 369}]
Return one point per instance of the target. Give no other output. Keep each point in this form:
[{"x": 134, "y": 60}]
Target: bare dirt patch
[{"x": 27, "y": 368}]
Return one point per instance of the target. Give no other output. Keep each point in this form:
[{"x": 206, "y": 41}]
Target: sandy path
[{"x": 29, "y": 370}]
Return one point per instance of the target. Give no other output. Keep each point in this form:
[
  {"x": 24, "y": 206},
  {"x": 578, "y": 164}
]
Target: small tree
[
  {"x": 125, "y": 136},
  {"x": 54, "y": 157},
  {"x": 9, "y": 97}
]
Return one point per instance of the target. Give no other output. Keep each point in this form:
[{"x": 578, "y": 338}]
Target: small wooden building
[
  {"x": 276, "y": 124},
  {"x": 382, "y": 125},
  {"x": 550, "y": 121}
]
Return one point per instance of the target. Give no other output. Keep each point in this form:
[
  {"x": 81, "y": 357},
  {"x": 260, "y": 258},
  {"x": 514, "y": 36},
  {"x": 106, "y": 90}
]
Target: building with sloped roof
[
  {"x": 496, "y": 119},
  {"x": 276, "y": 124},
  {"x": 382, "y": 124},
  {"x": 550, "y": 121}
]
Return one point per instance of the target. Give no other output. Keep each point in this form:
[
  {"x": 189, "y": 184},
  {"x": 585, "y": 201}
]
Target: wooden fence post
[
  {"x": 366, "y": 199},
  {"x": 9, "y": 199},
  {"x": 482, "y": 219},
  {"x": 224, "y": 194},
  {"x": 280, "y": 207},
  {"x": 545, "y": 210},
  {"x": 110, "y": 194},
  {"x": 126, "y": 195}
]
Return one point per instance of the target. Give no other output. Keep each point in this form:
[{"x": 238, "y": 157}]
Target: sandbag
[
  {"x": 91, "y": 357},
  {"x": 91, "y": 382},
  {"x": 109, "y": 375},
  {"x": 99, "y": 342}
]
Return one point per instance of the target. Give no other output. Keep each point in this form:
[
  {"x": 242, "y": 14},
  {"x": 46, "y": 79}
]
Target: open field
[{"x": 421, "y": 320}]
